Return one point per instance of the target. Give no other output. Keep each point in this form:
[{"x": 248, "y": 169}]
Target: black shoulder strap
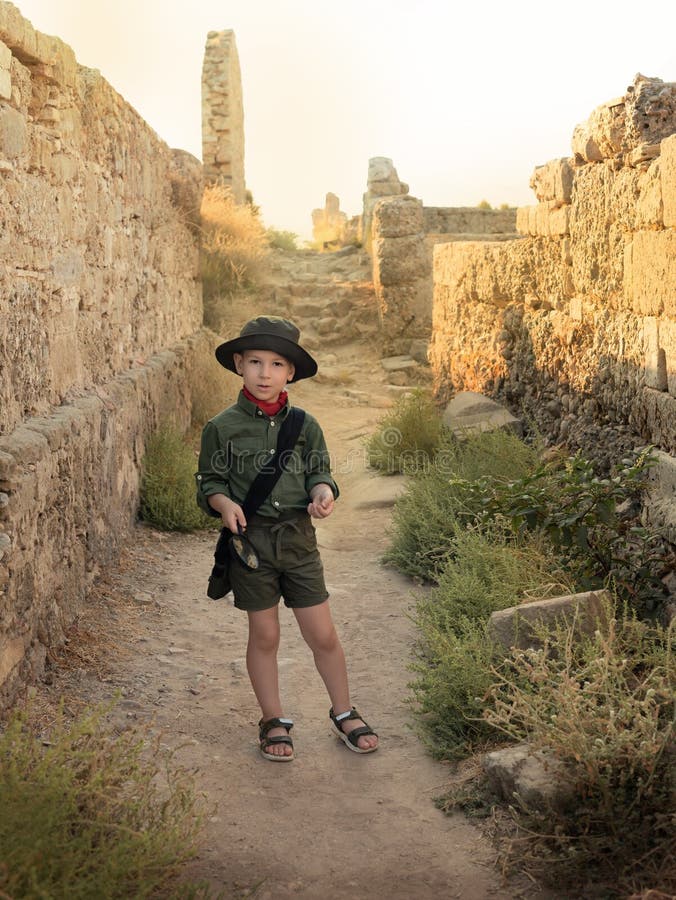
[{"x": 264, "y": 482}]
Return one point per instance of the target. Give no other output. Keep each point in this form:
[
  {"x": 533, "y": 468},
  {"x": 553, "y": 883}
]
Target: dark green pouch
[{"x": 219, "y": 580}]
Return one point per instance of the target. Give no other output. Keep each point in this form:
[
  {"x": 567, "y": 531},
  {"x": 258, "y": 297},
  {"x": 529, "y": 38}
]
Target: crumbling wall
[
  {"x": 223, "y": 114},
  {"x": 98, "y": 278},
  {"x": 404, "y": 236},
  {"x": 575, "y": 324}
]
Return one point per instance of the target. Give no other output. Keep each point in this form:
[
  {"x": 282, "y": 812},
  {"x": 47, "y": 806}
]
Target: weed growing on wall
[
  {"x": 168, "y": 483},
  {"x": 605, "y": 708},
  {"x": 92, "y": 814}
]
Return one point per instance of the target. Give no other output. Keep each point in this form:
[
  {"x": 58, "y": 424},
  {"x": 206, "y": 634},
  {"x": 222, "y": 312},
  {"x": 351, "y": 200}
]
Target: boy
[{"x": 236, "y": 444}]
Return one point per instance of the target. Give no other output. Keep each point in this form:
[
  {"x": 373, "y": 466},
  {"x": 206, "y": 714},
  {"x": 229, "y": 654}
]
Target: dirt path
[{"x": 331, "y": 824}]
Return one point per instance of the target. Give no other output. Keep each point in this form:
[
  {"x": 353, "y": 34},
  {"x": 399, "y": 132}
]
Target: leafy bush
[
  {"x": 168, "y": 483},
  {"x": 439, "y": 496},
  {"x": 282, "y": 240},
  {"x": 605, "y": 708},
  {"x": 407, "y": 438},
  {"x": 234, "y": 249},
  {"x": 576, "y": 510},
  {"x": 91, "y": 814}
]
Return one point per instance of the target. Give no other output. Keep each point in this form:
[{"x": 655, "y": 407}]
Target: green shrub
[
  {"x": 92, "y": 814},
  {"x": 454, "y": 653},
  {"x": 282, "y": 240},
  {"x": 437, "y": 497},
  {"x": 489, "y": 572},
  {"x": 605, "y": 708},
  {"x": 407, "y": 438},
  {"x": 576, "y": 510},
  {"x": 168, "y": 483},
  {"x": 453, "y": 671}
]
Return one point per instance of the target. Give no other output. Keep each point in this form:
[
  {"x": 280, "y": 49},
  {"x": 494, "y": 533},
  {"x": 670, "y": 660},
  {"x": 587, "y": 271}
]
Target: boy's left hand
[{"x": 322, "y": 501}]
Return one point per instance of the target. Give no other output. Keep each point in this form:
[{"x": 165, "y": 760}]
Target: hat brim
[{"x": 304, "y": 364}]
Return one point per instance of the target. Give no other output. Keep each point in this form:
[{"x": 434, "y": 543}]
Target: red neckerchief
[{"x": 270, "y": 409}]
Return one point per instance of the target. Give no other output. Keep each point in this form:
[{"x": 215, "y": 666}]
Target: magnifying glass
[{"x": 243, "y": 550}]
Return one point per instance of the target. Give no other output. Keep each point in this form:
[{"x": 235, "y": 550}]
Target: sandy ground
[{"x": 331, "y": 824}]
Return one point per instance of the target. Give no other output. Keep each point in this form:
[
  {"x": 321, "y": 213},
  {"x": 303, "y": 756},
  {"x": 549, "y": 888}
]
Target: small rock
[{"x": 398, "y": 363}]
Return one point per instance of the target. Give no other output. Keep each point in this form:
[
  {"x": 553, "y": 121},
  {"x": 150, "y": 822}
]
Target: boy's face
[{"x": 265, "y": 373}]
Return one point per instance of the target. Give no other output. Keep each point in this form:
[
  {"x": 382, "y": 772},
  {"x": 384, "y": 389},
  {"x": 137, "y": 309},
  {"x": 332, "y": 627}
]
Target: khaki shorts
[{"x": 290, "y": 565}]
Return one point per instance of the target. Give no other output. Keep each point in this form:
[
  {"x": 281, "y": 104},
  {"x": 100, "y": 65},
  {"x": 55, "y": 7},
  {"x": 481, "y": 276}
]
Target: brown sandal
[
  {"x": 350, "y": 740},
  {"x": 265, "y": 726}
]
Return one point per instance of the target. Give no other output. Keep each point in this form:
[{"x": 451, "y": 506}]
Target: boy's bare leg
[
  {"x": 261, "y": 663},
  {"x": 317, "y": 628}
]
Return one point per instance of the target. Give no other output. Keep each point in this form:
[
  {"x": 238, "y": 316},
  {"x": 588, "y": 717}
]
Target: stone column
[
  {"x": 383, "y": 181},
  {"x": 402, "y": 273},
  {"x": 223, "y": 114}
]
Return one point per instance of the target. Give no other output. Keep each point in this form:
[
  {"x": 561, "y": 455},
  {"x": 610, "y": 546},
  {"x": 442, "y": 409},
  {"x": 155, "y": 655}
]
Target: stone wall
[
  {"x": 98, "y": 277},
  {"x": 575, "y": 324},
  {"x": 404, "y": 236},
  {"x": 223, "y": 114}
]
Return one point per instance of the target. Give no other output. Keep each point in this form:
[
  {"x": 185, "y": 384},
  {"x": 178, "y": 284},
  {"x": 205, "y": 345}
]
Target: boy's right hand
[{"x": 232, "y": 514}]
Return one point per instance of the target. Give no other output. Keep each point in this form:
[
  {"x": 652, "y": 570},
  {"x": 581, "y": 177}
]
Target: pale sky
[{"x": 465, "y": 97}]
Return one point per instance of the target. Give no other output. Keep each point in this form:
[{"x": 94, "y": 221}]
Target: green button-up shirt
[{"x": 236, "y": 445}]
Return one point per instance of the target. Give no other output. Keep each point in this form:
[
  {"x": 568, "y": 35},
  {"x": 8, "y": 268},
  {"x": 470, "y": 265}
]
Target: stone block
[
  {"x": 517, "y": 626},
  {"x": 649, "y": 206},
  {"x": 524, "y": 217},
  {"x": 469, "y": 411},
  {"x": 398, "y": 363},
  {"x": 553, "y": 181},
  {"x": 532, "y": 777},
  {"x": 5, "y": 84},
  {"x": 5, "y": 545},
  {"x": 12, "y": 133},
  {"x": 11, "y": 653},
  {"x": 660, "y": 503},
  {"x": 650, "y": 273},
  {"x": 667, "y": 344},
  {"x": 397, "y": 217},
  {"x": 655, "y": 366},
  {"x": 5, "y": 56},
  {"x": 400, "y": 260},
  {"x": 668, "y": 180}
]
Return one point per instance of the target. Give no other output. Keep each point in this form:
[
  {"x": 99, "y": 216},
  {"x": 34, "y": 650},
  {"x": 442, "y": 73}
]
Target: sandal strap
[
  {"x": 356, "y": 733},
  {"x": 277, "y": 739},
  {"x": 264, "y": 726}
]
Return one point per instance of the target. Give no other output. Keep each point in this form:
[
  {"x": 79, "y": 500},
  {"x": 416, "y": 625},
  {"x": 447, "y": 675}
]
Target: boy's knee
[
  {"x": 265, "y": 639},
  {"x": 324, "y": 641}
]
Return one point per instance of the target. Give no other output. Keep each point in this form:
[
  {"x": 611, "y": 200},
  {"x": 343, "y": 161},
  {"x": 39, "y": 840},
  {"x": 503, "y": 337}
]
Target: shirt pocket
[{"x": 249, "y": 457}]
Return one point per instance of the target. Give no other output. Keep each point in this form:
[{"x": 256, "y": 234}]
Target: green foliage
[
  {"x": 282, "y": 240},
  {"x": 483, "y": 204},
  {"x": 168, "y": 483},
  {"x": 439, "y": 496},
  {"x": 454, "y": 652},
  {"x": 92, "y": 814},
  {"x": 408, "y": 437},
  {"x": 605, "y": 708},
  {"x": 576, "y": 510},
  {"x": 453, "y": 671}
]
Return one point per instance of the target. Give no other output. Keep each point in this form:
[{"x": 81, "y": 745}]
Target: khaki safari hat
[{"x": 269, "y": 333}]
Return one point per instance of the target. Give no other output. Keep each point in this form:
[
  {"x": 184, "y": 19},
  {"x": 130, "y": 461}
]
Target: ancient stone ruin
[
  {"x": 223, "y": 114},
  {"x": 100, "y": 318},
  {"x": 329, "y": 224}
]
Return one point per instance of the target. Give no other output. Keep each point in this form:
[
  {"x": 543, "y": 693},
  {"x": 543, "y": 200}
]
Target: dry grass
[{"x": 234, "y": 251}]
